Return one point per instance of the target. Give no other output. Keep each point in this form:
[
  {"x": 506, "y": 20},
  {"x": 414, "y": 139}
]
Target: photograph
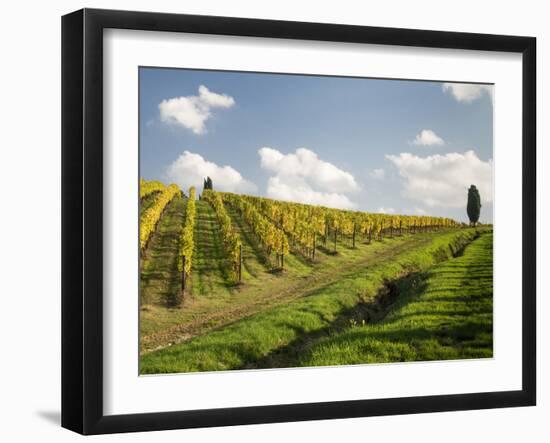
[
  {"x": 255, "y": 222},
  {"x": 291, "y": 220}
]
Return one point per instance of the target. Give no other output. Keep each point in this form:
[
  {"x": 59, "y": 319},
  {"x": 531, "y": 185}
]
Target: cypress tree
[
  {"x": 207, "y": 183},
  {"x": 473, "y": 207}
]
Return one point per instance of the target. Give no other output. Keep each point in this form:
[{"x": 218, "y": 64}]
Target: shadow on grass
[
  {"x": 211, "y": 268},
  {"x": 251, "y": 246},
  {"x": 289, "y": 355},
  {"x": 159, "y": 276},
  {"x": 326, "y": 250},
  {"x": 290, "y": 341},
  {"x": 466, "y": 326}
]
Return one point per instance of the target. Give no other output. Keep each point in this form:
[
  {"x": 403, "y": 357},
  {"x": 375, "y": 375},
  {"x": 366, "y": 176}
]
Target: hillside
[{"x": 257, "y": 263}]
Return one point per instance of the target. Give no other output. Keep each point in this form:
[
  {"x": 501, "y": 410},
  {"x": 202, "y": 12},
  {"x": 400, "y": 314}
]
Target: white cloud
[
  {"x": 299, "y": 191},
  {"x": 214, "y": 100},
  {"x": 377, "y": 174},
  {"x": 306, "y": 164},
  {"x": 443, "y": 180},
  {"x": 418, "y": 211},
  {"x": 303, "y": 177},
  {"x": 467, "y": 92},
  {"x": 193, "y": 111},
  {"x": 427, "y": 137},
  {"x": 383, "y": 210},
  {"x": 189, "y": 169}
]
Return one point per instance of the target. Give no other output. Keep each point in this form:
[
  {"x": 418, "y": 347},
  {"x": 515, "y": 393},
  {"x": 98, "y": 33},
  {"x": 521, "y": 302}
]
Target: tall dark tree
[
  {"x": 474, "y": 205},
  {"x": 207, "y": 184}
]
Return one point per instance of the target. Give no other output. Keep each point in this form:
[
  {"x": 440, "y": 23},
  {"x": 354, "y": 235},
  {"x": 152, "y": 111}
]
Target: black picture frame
[{"x": 82, "y": 218}]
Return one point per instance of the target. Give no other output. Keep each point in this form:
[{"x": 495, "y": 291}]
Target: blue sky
[{"x": 369, "y": 144}]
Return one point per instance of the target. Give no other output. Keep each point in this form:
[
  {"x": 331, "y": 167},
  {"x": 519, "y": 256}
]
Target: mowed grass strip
[
  {"x": 443, "y": 314},
  {"x": 159, "y": 278},
  {"x": 210, "y": 268},
  {"x": 245, "y": 342}
]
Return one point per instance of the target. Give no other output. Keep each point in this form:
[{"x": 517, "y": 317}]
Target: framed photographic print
[{"x": 269, "y": 221}]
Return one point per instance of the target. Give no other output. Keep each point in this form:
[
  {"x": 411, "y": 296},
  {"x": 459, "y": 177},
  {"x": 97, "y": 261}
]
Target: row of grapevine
[
  {"x": 151, "y": 217},
  {"x": 147, "y": 187},
  {"x": 300, "y": 223},
  {"x": 384, "y": 224},
  {"x": 304, "y": 223},
  {"x": 272, "y": 238},
  {"x": 186, "y": 239},
  {"x": 295, "y": 229},
  {"x": 231, "y": 239}
]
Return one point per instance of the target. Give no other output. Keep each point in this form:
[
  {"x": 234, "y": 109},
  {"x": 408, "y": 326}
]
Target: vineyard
[{"x": 231, "y": 281}]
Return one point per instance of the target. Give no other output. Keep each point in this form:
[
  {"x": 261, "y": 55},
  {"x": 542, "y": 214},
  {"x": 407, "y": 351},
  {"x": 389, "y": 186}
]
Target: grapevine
[
  {"x": 231, "y": 239},
  {"x": 270, "y": 236},
  {"x": 186, "y": 238},
  {"x": 149, "y": 187},
  {"x": 151, "y": 217}
]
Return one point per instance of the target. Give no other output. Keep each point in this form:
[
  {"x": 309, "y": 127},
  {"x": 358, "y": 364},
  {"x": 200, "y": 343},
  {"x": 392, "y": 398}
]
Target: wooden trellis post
[
  {"x": 240, "y": 262},
  {"x": 183, "y": 282}
]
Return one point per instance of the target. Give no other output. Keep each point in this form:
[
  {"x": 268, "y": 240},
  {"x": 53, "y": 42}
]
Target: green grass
[
  {"x": 255, "y": 259},
  {"x": 443, "y": 314},
  {"x": 212, "y": 301},
  {"x": 210, "y": 271},
  {"x": 159, "y": 278},
  {"x": 334, "y": 287},
  {"x": 196, "y": 315},
  {"x": 258, "y": 262}
]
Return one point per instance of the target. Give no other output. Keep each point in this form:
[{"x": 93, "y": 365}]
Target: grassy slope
[
  {"x": 209, "y": 274},
  {"x": 446, "y": 313},
  {"x": 221, "y": 304},
  {"x": 244, "y": 343},
  {"x": 159, "y": 277}
]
